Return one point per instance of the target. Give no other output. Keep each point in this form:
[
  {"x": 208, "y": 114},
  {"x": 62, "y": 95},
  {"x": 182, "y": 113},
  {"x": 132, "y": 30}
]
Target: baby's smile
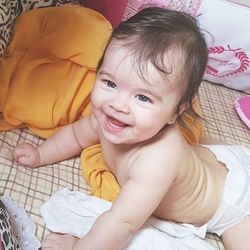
[
  {"x": 113, "y": 125},
  {"x": 116, "y": 122}
]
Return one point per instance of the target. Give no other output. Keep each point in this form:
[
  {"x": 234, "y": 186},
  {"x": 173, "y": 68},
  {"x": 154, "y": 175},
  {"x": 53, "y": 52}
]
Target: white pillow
[
  {"x": 229, "y": 40},
  {"x": 229, "y": 43}
]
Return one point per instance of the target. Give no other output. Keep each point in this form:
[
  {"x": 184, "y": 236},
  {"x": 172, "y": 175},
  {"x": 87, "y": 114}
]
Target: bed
[{"x": 31, "y": 188}]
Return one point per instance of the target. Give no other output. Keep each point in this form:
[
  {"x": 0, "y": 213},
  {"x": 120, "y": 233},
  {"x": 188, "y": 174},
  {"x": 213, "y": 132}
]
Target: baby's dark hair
[{"x": 152, "y": 33}]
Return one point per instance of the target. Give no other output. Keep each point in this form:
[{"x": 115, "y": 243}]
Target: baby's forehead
[
  {"x": 165, "y": 56},
  {"x": 164, "y": 67},
  {"x": 167, "y": 69}
]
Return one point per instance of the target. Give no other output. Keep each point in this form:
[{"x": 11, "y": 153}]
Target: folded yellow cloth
[
  {"x": 102, "y": 182},
  {"x": 194, "y": 129},
  {"x": 46, "y": 77},
  {"x": 48, "y": 70}
]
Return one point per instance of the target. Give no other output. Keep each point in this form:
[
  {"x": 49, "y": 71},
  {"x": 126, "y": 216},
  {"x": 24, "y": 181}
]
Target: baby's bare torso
[{"x": 197, "y": 190}]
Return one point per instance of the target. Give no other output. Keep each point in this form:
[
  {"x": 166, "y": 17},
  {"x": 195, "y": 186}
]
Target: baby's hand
[
  {"x": 27, "y": 155},
  {"x": 59, "y": 242}
]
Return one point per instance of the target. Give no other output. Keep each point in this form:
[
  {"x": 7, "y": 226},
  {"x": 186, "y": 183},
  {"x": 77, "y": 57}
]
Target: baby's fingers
[
  {"x": 50, "y": 242},
  {"x": 20, "y": 150},
  {"x": 26, "y": 160},
  {"x": 26, "y": 154},
  {"x": 58, "y": 242}
]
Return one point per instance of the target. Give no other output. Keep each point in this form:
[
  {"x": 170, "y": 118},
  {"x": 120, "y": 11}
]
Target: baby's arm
[
  {"x": 148, "y": 183},
  {"x": 67, "y": 142}
]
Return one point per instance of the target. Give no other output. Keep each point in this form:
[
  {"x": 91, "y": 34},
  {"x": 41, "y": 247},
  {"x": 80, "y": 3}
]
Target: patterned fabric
[
  {"x": 31, "y": 188},
  {"x": 222, "y": 121},
  {"x": 8, "y": 239},
  {"x": 10, "y": 9},
  {"x": 188, "y": 6},
  {"x": 228, "y": 43}
]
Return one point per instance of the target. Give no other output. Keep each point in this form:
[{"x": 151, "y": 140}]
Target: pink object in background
[
  {"x": 112, "y": 10},
  {"x": 242, "y": 106},
  {"x": 188, "y": 6}
]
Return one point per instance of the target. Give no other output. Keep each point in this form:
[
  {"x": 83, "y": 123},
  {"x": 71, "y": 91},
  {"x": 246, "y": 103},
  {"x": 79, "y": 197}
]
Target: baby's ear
[{"x": 183, "y": 107}]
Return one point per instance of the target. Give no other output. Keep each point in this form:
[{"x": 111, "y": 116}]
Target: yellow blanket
[
  {"x": 46, "y": 77},
  {"x": 48, "y": 70}
]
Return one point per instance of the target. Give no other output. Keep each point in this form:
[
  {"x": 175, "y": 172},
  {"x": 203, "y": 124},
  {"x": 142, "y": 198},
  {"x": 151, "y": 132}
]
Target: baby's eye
[
  {"x": 110, "y": 84},
  {"x": 144, "y": 98}
]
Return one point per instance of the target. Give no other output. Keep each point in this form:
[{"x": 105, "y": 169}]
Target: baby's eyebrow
[
  {"x": 101, "y": 72},
  {"x": 108, "y": 75},
  {"x": 152, "y": 93}
]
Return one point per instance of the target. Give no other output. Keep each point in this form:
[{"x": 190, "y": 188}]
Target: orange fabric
[
  {"x": 195, "y": 129},
  {"x": 102, "y": 182},
  {"x": 48, "y": 70}
]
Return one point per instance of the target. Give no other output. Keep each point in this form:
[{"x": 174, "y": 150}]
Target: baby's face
[{"x": 130, "y": 109}]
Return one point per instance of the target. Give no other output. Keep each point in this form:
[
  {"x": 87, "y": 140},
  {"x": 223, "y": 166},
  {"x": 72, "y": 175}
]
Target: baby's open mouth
[{"x": 116, "y": 122}]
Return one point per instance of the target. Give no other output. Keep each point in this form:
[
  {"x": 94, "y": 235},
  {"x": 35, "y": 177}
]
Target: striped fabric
[
  {"x": 222, "y": 121},
  {"x": 31, "y": 188}
]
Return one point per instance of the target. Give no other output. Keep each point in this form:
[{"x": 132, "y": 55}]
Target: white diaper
[{"x": 235, "y": 205}]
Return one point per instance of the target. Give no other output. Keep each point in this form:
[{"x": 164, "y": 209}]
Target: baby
[{"x": 148, "y": 76}]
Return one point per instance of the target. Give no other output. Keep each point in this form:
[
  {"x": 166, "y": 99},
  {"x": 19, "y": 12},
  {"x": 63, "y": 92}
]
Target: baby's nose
[{"x": 120, "y": 104}]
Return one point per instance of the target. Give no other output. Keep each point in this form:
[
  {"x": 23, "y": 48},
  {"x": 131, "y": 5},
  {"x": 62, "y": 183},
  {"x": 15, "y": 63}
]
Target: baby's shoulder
[
  {"x": 167, "y": 140},
  {"x": 165, "y": 147}
]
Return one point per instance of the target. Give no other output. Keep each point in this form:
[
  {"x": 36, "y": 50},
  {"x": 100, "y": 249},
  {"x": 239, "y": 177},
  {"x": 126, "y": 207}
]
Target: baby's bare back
[{"x": 197, "y": 192}]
